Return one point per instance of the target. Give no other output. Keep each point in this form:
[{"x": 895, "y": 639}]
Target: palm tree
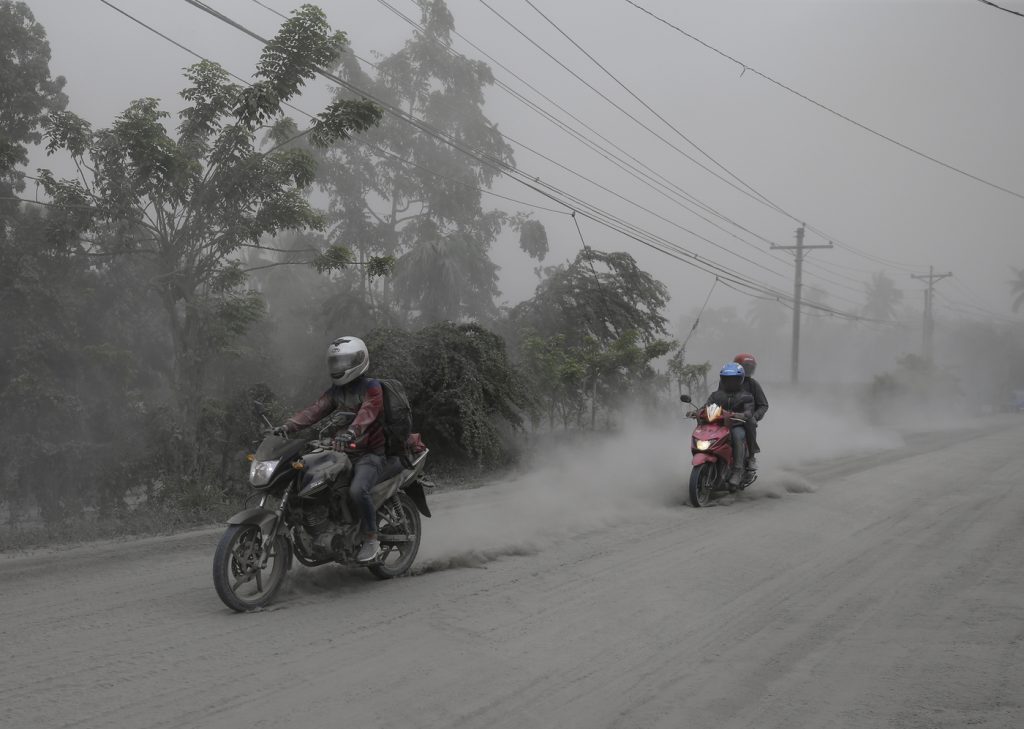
[
  {"x": 882, "y": 298},
  {"x": 1017, "y": 288}
]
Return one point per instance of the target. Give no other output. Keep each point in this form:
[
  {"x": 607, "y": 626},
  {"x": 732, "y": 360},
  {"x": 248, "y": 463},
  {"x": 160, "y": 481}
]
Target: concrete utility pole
[
  {"x": 794, "y": 369},
  {"x": 929, "y": 320}
]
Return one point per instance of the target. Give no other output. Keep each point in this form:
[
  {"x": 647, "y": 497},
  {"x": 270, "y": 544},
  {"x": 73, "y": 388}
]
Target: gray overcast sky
[{"x": 945, "y": 77}]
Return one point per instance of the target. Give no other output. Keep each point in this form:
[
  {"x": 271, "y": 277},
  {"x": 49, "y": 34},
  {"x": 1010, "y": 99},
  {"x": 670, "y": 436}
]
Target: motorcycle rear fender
[
  {"x": 415, "y": 491},
  {"x": 256, "y": 515}
]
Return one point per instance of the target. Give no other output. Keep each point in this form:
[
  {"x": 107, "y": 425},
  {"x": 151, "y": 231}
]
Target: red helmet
[{"x": 748, "y": 362}]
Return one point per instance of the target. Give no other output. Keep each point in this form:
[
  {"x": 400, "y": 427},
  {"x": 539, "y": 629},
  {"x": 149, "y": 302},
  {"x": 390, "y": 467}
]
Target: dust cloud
[
  {"x": 606, "y": 479},
  {"x": 624, "y": 477}
]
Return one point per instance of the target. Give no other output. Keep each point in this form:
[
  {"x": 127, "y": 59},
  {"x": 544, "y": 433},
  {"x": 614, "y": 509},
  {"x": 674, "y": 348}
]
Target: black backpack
[{"x": 396, "y": 418}]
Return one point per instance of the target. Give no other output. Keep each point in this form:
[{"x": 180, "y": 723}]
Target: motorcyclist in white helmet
[{"x": 364, "y": 440}]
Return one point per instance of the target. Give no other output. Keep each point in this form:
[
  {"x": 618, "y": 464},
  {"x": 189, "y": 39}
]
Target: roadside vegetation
[{"x": 183, "y": 274}]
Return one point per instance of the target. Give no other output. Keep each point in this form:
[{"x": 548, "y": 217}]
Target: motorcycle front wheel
[
  {"x": 702, "y": 481},
  {"x": 242, "y": 580},
  {"x": 399, "y": 535}
]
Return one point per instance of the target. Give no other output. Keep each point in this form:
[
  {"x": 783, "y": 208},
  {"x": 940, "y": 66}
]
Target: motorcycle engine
[{"x": 315, "y": 519}]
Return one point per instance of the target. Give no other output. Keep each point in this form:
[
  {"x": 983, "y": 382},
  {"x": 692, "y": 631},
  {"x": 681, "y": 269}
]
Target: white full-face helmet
[{"x": 347, "y": 358}]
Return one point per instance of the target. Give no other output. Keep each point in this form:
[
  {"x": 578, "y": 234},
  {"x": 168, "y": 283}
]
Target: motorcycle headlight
[
  {"x": 261, "y": 471},
  {"x": 703, "y": 445}
]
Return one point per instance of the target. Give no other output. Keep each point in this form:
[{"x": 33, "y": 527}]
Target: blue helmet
[
  {"x": 731, "y": 378},
  {"x": 732, "y": 369}
]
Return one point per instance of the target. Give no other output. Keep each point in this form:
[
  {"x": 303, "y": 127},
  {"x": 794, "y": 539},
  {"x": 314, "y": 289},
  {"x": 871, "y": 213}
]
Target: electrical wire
[
  {"x": 560, "y": 196},
  {"x": 820, "y": 105},
  {"x": 637, "y": 174},
  {"x": 760, "y": 197},
  {"x": 1000, "y": 7},
  {"x": 610, "y": 101},
  {"x": 647, "y": 106},
  {"x": 554, "y": 193}
]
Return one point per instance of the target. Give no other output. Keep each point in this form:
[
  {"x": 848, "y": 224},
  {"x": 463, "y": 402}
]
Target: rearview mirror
[{"x": 685, "y": 398}]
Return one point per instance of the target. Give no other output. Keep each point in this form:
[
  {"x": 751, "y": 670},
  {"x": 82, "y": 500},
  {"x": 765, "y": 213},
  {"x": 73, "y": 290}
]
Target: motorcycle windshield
[
  {"x": 275, "y": 448},
  {"x": 714, "y": 412}
]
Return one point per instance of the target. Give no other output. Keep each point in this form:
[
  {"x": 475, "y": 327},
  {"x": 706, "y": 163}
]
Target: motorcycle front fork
[{"x": 279, "y": 519}]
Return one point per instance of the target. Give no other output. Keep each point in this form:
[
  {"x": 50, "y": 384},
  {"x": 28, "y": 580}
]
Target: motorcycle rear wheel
[
  {"x": 702, "y": 482},
  {"x": 240, "y": 581},
  {"x": 398, "y": 556}
]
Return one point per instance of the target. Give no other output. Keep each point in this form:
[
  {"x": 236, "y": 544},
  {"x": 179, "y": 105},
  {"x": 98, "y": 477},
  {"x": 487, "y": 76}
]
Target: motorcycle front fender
[
  {"x": 256, "y": 515},
  {"x": 415, "y": 491},
  {"x": 703, "y": 457}
]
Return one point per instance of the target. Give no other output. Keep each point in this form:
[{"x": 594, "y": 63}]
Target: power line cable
[
  {"x": 624, "y": 111},
  {"x": 700, "y": 313},
  {"x": 627, "y": 229},
  {"x": 647, "y": 106},
  {"x": 634, "y": 172},
  {"x": 550, "y": 191},
  {"x": 759, "y": 196},
  {"x": 1000, "y": 7},
  {"x": 820, "y": 105}
]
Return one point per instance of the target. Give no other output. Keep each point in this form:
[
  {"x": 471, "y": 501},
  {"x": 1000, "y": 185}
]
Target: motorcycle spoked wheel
[
  {"x": 703, "y": 479},
  {"x": 397, "y": 556},
  {"x": 241, "y": 583}
]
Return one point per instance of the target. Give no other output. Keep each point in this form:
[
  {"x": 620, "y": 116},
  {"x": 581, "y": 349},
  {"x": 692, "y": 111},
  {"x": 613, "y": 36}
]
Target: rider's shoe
[
  {"x": 369, "y": 551},
  {"x": 752, "y": 463},
  {"x": 735, "y": 479}
]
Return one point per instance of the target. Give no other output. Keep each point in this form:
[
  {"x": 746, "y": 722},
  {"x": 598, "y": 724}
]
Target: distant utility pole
[
  {"x": 929, "y": 320},
  {"x": 797, "y": 296}
]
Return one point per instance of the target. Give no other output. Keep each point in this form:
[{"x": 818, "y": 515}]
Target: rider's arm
[
  {"x": 315, "y": 412},
  {"x": 373, "y": 403},
  {"x": 745, "y": 405},
  {"x": 760, "y": 401}
]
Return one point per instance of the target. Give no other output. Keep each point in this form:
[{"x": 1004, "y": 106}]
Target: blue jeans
[
  {"x": 739, "y": 447},
  {"x": 368, "y": 470}
]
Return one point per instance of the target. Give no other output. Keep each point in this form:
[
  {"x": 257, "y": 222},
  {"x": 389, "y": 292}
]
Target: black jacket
[
  {"x": 760, "y": 401},
  {"x": 741, "y": 403}
]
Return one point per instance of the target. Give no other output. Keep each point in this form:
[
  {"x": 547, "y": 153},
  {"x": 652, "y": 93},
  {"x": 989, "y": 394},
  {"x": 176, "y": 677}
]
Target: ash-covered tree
[
  {"x": 689, "y": 378},
  {"x": 882, "y": 298},
  {"x": 607, "y": 312},
  {"x": 27, "y": 93},
  {"x": 403, "y": 193},
  {"x": 191, "y": 200},
  {"x": 467, "y": 398}
]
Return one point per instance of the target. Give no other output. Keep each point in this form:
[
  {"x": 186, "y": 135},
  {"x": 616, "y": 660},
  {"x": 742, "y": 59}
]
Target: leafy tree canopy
[
  {"x": 27, "y": 93},
  {"x": 460, "y": 384},
  {"x": 404, "y": 193},
  {"x": 190, "y": 201},
  {"x": 601, "y": 296}
]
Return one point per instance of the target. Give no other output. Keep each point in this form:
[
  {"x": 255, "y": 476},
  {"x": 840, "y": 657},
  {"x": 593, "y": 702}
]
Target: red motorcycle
[{"x": 711, "y": 445}]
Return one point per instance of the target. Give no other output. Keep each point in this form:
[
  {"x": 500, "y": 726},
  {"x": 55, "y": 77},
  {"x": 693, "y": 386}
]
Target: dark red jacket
[{"x": 364, "y": 397}]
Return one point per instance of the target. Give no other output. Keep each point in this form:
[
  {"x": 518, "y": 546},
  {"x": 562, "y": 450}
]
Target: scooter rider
[
  {"x": 731, "y": 396},
  {"x": 364, "y": 440},
  {"x": 760, "y": 405}
]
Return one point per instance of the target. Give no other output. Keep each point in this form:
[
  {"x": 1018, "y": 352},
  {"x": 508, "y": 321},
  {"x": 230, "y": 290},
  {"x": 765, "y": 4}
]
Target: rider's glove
[
  {"x": 691, "y": 413},
  {"x": 281, "y": 430},
  {"x": 344, "y": 440}
]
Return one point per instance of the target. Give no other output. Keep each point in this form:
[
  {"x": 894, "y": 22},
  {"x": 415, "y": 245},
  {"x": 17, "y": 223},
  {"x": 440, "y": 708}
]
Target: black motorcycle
[{"x": 305, "y": 511}]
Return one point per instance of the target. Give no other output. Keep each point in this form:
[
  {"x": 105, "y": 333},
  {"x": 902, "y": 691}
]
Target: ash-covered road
[{"x": 869, "y": 591}]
